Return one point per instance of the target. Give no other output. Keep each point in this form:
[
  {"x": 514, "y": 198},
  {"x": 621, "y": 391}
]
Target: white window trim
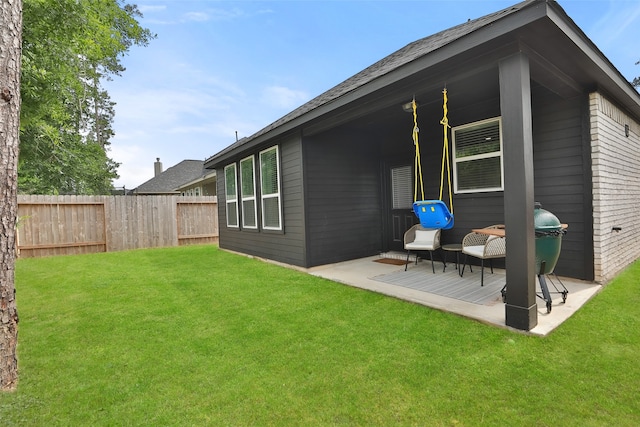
[
  {"x": 235, "y": 196},
  {"x": 249, "y": 198},
  {"x": 499, "y": 154},
  {"x": 263, "y": 197}
]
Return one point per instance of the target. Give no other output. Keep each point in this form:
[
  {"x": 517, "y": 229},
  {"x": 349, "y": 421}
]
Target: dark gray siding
[
  {"x": 344, "y": 212},
  {"x": 474, "y": 210},
  {"x": 562, "y": 170},
  {"x": 288, "y": 245},
  {"x": 334, "y": 186}
]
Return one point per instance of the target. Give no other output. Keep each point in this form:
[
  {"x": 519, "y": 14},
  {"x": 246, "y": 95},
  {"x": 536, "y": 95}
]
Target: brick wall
[{"x": 616, "y": 187}]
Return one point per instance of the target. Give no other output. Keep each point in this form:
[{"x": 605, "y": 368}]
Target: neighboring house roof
[
  {"x": 174, "y": 178},
  {"x": 208, "y": 177},
  {"x": 398, "y": 65}
]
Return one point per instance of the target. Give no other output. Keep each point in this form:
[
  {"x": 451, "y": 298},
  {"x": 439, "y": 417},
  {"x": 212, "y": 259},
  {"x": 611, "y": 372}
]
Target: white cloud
[
  {"x": 151, "y": 13},
  {"x": 213, "y": 15},
  {"x": 225, "y": 14},
  {"x": 615, "y": 28},
  {"x": 176, "y": 124},
  {"x": 196, "y": 16},
  {"x": 135, "y": 168},
  {"x": 283, "y": 97},
  {"x": 612, "y": 26},
  {"x": 220, "y": 15},
  {"x": 151, "y": 8}
]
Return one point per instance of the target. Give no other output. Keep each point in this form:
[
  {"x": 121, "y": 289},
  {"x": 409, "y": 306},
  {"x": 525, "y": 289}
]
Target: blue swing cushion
[{"x": 433, "y": 214}]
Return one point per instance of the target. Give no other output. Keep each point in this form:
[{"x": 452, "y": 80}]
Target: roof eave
[
  {"x": 614, "y": 82},
  {"x": 502, "y": 26},
  {"x": 203, "y": 178},
  {"x": 610, "y": 79}
]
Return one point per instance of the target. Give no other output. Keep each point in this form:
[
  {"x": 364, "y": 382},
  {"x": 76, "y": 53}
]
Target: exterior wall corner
[{"x": 616, "y": 187}]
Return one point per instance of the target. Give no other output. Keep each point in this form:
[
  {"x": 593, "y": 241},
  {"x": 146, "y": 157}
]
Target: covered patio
[
  {"x": 535, "y": 112},
  {"x": 447, "y": 291}
]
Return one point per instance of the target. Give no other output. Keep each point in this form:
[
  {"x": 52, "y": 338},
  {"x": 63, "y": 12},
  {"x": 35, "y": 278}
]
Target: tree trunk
[{"x": 10, "y": 48}]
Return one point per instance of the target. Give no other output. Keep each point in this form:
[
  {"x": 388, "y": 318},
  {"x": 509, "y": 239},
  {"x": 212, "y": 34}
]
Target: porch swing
[{"x": 433, "y": 214}]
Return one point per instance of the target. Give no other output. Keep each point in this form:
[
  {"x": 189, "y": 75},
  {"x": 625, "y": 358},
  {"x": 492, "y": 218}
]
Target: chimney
[{"x": 157, "y": 167}]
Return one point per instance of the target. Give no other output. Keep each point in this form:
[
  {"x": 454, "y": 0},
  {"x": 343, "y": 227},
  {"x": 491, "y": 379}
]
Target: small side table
[{"x": 452, "y": 247}]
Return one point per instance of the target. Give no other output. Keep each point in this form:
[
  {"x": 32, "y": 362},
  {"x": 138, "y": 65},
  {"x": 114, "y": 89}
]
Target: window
[
  {"x": 477, "y": 157},
  {"x": 231, "y": 193},
  {"x": 248, "y": 193},
  {"x": 191, "y": 192},
  {"x": 401, "y": 186},
  {"x": 270, "y": 189}
]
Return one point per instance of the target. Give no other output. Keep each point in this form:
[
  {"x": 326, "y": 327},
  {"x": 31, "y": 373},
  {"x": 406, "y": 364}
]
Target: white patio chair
[
  {"x": 483, "y": 246},
  {"x": 418, "y": 238}
]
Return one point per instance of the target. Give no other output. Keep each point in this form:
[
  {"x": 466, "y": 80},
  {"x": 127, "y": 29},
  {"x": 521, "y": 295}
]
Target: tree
[
  {"x": 66, "y": 114},
  {"x": 10, "y": 42},
  {"x": 636, "y": 81}
]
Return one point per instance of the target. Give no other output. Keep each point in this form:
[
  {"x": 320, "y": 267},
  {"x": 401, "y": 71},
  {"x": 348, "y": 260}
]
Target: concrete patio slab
[{"x": 361, "y": 273}]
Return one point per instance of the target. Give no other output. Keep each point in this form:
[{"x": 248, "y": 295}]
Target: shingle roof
[
  {"x": 174, "y": 177},
  {"x": 402, "y": 57}
]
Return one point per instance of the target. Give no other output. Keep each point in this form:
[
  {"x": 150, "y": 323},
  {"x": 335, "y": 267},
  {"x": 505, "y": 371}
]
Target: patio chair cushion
[
  {"x": 476, "y": 251},
  {"x": 486, "y": 251},
  {"x": 424, "y": 240}
]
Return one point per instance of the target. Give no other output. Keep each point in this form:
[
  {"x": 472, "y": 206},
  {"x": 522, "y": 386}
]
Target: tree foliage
[
  {"x": 636, "y": 81},
  {"x": 69, "y": 48}
]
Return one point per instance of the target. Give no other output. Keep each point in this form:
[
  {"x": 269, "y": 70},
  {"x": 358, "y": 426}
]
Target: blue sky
[{"x": 221, "y": 67}]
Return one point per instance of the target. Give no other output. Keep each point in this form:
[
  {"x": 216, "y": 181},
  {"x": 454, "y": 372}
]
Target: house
[
  {"x": 188, "y": 178},
  {"x": 332, "y": 180}
]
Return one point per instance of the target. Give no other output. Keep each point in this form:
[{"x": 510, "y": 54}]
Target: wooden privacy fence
[{"x": 65, "y": 225}]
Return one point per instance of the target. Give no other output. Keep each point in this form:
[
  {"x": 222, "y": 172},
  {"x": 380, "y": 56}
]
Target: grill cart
[{"x": 548, "y": 232}]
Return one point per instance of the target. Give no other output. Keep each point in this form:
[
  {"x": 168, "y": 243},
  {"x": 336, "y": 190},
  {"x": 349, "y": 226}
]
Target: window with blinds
[
  {"x": 401, "y": 187},
  {"x": 477, "y": 157},
  {"x": 248, "y": 193},
  {"x": 231, "y": 195},
  {"x": 270, "y": 189}
]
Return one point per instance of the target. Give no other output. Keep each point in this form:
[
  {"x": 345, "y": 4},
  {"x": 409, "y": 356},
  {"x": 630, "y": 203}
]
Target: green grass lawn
[{"x": 197, "y": 336}]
